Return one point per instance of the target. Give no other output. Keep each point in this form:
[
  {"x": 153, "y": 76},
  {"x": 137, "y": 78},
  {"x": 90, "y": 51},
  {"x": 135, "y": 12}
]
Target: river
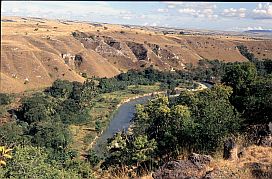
[{"x": 122, "y": 119}]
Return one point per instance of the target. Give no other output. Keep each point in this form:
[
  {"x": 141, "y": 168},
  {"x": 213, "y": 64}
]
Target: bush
[
  {"x": 5, "y": 99},
  {"x": 92, "y": 158},
  {"x": 12, "y": 133},
  {"x": 31, "y": 162},
  {"x": 98, "y": 126},
  {"x": 51, "y": 135},
  {"x": 61, "y": 89},
  {"x": 84, "y": 75},
  {"x": 37, "y": 108},
  {"x": 196, "y": 121}
]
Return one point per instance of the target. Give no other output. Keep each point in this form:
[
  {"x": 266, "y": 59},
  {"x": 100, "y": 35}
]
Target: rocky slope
[
  {"x": 35, "y": 52},
  {"x": 254, "y": 163},
  {"x": 239, "y": 159}
]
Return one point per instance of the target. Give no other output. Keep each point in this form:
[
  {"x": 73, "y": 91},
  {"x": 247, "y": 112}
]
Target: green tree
[
  {"x": 196, "y": 121},
  {"x": 246, "y": 53},
  {"x": 12, "y": 133},
  {"x": 239, "y": 76},
  {"x": 256, "y": 107},
  {"x": 92, "y": 158},
  {"x": 125, "y": 149},
  {"x": 61, "y": 89},
  {"x": 39, "y": 107},
  {"x": 142, "y": 149},
  {"x": 51, "y": 135},
  {"x": 163, "y": 123},
  {"x": 98, "y": 126},
  {"x": 31, "y": 162},
  {"x": 215, "y": 118},
  {"x": 5, "y": 99}
]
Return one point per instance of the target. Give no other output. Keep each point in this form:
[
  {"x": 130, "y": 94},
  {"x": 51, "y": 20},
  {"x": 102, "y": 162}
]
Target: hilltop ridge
[{"x": 37, "y": 51}]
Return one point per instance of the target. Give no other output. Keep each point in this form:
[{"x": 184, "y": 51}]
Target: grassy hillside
[{"x": 35, "y": 52}]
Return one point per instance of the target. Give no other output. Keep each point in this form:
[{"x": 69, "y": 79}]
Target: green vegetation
[
  {"x": 5, "y": 99},
  {"x": 41, "y": 129},
  {"x": 148, "y": 76},
  {"x": 197, "y": 121},
  {"x": 46, "y": 123},
  {"x": 33, "y": 162},
  {"x": 53, "y": 129},
  {"x": 264, "y": 66}
]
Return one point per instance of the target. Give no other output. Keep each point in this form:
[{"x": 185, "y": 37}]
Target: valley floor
[{"x": 104, "y": 108}]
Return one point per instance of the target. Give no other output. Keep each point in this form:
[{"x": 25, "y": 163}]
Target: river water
[{"x": 120, "y": 121}]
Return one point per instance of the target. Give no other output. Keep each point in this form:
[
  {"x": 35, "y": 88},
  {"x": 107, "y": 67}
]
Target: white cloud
[
  {"x": 162, "y": 10},
  {"x": 255, "y": 28},
  {"x": 187, "y": 11},
  {"x": 58, "y": 8},
  {"x": 33, "y": 9},
  {"x": 171, "y": 6},
  {"x": 232, "y": 12},
  {"x": 126, "y": 17},
  {"x": 125, "y": 12},
  {"x": 173, "y": 2},
  {"x": 206, "y": 12},
  {"x": 263, "y": 11},
  {"x": 191, "y": 5}
]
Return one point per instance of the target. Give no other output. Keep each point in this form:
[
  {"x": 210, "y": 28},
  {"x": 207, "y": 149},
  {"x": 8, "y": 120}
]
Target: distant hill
[
  {"x": 36, "y": 51},
  {"x": 258, "y": 31}
]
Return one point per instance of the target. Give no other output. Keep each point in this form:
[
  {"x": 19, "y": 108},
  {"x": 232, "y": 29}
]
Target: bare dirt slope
[{"x": 35, "y": 52}]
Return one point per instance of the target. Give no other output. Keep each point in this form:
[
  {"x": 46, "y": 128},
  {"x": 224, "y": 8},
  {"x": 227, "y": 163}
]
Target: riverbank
[
  {"x": 104, "y": 108},
  {"x": 124, "y": 113},
  {"x": 124, "y": 101},
  {"x": 122, "y": 120}
]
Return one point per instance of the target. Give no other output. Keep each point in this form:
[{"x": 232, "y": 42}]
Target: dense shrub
[
  {"x": 5, "y": 99},
  {"x": 245, "y": 52},
  {"x": 12, "y": 133},
  {"x": 39, "y": 107},
  {"x": 92, "y": 158},
  {"x": 61, "y": 89},
  {"x": 252, "y": 93},
  {"x": 129, "y": 150},
  {"x": 196, "y": 121},
  {"x": 32, "y": 162},
  {"x": 239, "y": 76},
  {"x": 51, "y": 135}
]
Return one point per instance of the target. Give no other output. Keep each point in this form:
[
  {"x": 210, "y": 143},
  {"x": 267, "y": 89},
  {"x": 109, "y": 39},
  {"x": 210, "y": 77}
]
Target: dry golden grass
[
  {"x": 31, "y": 48},
  {"x": 224, "y": 169},
  {"x": 241, "y": 167}
]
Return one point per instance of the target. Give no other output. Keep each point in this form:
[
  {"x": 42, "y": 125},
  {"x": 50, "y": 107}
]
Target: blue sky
[{"x": 188, "y": 15}]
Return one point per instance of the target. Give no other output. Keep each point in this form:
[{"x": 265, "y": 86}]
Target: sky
[{"x": 187, "y": 15}]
